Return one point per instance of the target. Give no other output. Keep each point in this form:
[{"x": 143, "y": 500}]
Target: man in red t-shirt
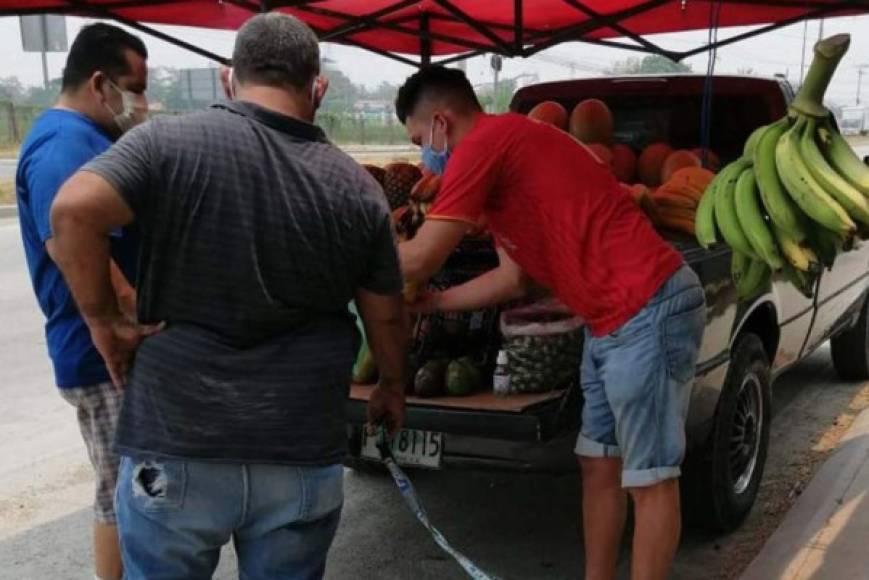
[{"x": 561, "y": 221}]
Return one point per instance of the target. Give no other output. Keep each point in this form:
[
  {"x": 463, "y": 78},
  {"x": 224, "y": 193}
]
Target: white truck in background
[{"x": 852, "y": 120}]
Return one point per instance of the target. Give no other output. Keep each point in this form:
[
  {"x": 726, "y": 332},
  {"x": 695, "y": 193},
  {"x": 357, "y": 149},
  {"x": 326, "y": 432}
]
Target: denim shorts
[
  {"x": 636, "y": 384},
  {"x": 174, "y": 516}
]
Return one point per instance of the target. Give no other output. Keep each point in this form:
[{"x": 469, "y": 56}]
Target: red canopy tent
[{"x": 457, "y": 29}]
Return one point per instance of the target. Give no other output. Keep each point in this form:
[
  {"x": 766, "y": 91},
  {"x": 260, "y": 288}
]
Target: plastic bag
[{"x": 543, "y": 342}]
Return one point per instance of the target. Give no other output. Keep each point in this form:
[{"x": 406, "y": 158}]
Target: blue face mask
[{"x": 435, "y": 161}]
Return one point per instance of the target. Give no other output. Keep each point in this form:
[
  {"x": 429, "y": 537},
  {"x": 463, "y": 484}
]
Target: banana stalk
[
  {"x": 802, "y": 281},
  {"x": 828, "y": 52}
]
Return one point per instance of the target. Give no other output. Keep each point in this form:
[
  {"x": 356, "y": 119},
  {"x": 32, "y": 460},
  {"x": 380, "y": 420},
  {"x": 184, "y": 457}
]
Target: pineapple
[{"x": 398, "y": 183}]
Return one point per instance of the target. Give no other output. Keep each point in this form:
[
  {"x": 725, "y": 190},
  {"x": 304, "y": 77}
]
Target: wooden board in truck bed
[{"x": 486, "y": 401}]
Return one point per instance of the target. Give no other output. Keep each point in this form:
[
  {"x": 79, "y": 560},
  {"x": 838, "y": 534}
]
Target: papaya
[
  {"x": 677, "y": 160},
  {"x": 624, "y": 162},
  {"x": 591, "y": 121},
  {"x": 650, "y": 163},
  {"x": 550, "y": 112}
]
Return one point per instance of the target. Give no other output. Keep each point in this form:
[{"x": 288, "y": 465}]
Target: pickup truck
[{"x": 746, "y": 344}]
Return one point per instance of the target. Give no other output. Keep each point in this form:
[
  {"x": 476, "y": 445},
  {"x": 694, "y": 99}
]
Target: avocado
[
  {"x": 463, "y": 377},
  {"x": 429, "y": 380}
]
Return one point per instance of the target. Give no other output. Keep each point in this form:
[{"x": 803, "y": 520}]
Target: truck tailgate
[{"x": 529, "y": 417}]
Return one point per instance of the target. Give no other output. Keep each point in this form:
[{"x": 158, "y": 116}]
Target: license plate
[{"x": 410, "y": 448}]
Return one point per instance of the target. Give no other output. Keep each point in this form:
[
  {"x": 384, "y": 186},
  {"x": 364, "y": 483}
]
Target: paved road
[
  {"x": 7, "y": 168},
  {"x": 518, "y": 526}
]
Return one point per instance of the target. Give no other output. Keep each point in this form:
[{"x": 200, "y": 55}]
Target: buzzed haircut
[
  {"x": 276, "y": 50},
  {"x": 100, "y": 47},
  {"x": 434, "y": 82}
]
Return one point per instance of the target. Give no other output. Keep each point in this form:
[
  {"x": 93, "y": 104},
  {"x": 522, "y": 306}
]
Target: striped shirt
[{"x": 256, "y": 233}]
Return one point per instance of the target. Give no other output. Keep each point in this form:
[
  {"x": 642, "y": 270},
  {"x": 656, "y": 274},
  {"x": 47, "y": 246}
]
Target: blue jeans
[
  {"x": 636, "y": 384},
  {"x": 174, "y": 516}
]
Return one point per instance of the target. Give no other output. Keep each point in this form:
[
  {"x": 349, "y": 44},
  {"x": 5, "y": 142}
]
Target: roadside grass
[{"x": 7, "y": 191}]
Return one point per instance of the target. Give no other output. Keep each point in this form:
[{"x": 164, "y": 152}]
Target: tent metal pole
[
  {"x": 98, "y": 11},
  {"x": 518, "y": 26},
  {"x": 424, "y": 42}
]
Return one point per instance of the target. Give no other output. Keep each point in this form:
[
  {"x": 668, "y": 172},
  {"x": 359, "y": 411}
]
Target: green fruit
[
  {"x": 463, "y": 377},
  {"x": 843, "y": 158},
  {"x": 847, "y": 195},
  {"x": 725, "y": 208},
  {"x": 752, "y": 141},
  {"x": 754, "y": 280},
  {"x": 804, "y": 188},
  {"x": 365, "y": 369},
  {"x": 429, "y": 380},
  {"x": 752, "y": 220},
  {"x": 782, "y": 210},
  {"x": 704, "y": 220}
]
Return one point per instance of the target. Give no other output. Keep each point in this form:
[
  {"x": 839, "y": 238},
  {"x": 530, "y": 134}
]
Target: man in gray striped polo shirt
[{"x": 256, "y": 233}]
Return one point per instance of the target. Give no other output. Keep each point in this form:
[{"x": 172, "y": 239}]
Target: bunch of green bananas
[{"x": 798, "y": 195}]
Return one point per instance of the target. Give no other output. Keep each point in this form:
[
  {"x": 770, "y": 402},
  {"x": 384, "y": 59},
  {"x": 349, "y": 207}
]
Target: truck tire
[
  {"x": 850, "y": 349},
  {"x": 722, "y": 480}
]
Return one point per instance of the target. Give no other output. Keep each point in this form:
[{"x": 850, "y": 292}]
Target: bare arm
[
  {"x": 502, "y": 284},
  {"x": 426, "y": 253},
  {"x": 386, "y": 329},
  {"x": 125, "y": 294},
  {"x": 87, "y": 208}
]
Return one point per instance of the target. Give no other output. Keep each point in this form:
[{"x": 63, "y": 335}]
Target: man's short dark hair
[
  {"x": 100, "y": 47},
  {"x": 276, "y": 50},
  {"x": 434, "y": 81}
]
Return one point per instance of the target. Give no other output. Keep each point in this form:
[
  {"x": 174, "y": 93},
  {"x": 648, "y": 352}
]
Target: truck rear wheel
[
  {"x": 850, "y": 349},
  {"x": 722, "y": 481}
]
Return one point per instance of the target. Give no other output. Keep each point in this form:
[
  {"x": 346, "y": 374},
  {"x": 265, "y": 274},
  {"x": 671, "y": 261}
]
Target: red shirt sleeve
[{"x": 469, "y": 179}]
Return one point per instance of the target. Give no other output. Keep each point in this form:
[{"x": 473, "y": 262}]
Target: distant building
[
  {"x": 852, "y": 120},
  {"x": 373, "y": 109}
]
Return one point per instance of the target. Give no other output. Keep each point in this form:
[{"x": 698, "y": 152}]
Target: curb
[
  {"x": 8, "y": 211},
  {"x": 816, "y": 538}
]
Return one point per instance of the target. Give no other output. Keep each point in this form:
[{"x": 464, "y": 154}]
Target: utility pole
[
  {"x": 803, "y": 54},
  {"x": 496, "y": 69},
  {"x": 44, "y": 28},
  {"x": 860, "y": 69},
  {"x": 821, "y": 29}
]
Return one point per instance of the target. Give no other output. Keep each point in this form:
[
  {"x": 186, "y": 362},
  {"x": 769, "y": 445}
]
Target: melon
[
  {"x": 602, "y": 152},
  {"x": 624, "y": 162},
  {"x": 550, "y": 112},
  {"x": 677, "y": 160},
  {"x": 651, "y": 161},
  {"x": 712, "y": 161},
  {"x": 592, "y": 122}
]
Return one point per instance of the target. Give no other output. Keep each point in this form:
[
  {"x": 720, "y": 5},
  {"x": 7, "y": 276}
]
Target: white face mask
[{"x": 135, "y": 109}]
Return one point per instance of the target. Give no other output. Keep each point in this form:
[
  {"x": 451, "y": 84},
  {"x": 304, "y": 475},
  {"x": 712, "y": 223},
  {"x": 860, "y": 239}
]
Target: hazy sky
[{"x": 774, "y": 52}]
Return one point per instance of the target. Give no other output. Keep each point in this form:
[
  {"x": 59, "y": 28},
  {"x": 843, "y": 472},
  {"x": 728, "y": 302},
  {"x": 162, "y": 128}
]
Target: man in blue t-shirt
[{"x": 102, "y": 96}]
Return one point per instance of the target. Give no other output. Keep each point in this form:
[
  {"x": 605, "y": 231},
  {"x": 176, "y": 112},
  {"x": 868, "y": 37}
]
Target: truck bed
[{"x": 479, "y": 401}]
